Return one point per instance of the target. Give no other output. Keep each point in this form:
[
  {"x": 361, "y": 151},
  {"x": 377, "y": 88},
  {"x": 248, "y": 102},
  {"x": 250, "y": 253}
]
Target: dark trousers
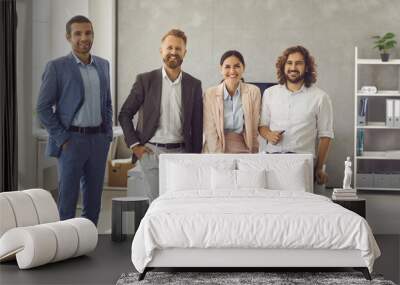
[{"x": 81, "y": 167}]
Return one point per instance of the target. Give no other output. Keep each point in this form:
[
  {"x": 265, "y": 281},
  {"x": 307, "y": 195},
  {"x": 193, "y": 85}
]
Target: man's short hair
[
  {"x": 76, "y": 19},
  {"x": 310, "y": 75},
  {"x": 176, "y": 33}
]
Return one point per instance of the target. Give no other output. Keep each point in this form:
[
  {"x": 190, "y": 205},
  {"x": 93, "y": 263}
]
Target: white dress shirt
[
  {"x": 171, "y": 113},
  {"x": 304, "y": 115}
]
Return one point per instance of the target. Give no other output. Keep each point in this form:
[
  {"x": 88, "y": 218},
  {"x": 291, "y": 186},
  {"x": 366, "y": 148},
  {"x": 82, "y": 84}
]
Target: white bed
[{"x": 247, "y": 210}]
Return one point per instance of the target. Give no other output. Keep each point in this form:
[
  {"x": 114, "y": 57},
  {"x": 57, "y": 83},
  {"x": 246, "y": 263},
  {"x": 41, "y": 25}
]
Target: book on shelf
[
  {"x": 360, "y": 142},
  {"x": 362, "y": 112},
  {"x": 334, "y": 197},
  {"x": 396, "y": 113},
  {"x": 389, "y": 113},
  {"x": 344, "y": 194},
  {"x": 344, "y": 191}
]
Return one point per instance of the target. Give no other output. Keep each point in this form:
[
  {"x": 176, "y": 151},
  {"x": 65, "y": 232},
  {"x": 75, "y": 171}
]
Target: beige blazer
[{"x": 213, "y": 116}]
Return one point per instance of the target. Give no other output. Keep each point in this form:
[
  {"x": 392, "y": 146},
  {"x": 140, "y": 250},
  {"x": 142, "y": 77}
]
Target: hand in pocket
[{"x": 140, "y": 150}]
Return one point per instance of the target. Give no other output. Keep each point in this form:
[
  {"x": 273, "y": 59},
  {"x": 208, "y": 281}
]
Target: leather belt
[
  {"x": 86, "y": 130},
  {"x": 168, "y": 145}
]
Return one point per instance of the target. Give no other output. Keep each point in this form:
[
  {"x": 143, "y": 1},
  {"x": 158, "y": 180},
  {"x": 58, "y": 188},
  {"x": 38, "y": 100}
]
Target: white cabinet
[{"x": 376, "y": 142}]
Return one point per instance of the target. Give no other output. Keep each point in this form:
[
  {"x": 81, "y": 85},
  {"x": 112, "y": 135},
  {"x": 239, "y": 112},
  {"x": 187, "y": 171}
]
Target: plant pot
[{"x": 385, "y": 56}]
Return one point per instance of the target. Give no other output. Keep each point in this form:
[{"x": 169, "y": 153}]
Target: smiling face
[
  {"x": 295, "y": 68},
  {"x": 232, "y": 70},
  {"x": 81, "y": 38},
  {"x": 173, "y": 50}
]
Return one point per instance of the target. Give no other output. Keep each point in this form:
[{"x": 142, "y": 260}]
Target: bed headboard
[{"x": 209, "y": 159}]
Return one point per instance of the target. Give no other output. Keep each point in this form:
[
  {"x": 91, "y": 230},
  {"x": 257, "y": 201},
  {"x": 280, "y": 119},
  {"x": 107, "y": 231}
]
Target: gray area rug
[{"x": 269, "y": 278}]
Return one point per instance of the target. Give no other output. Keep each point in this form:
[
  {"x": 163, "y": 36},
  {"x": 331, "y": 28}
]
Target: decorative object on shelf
[
  {"x": 345, "y": 193},
  {"x": 347, "y": 174},
  {"x": 384, "y": 44},
  {"x": 369, "y": 89}
]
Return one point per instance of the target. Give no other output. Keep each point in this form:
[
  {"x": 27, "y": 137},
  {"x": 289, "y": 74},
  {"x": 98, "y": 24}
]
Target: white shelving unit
[
  {"x": 386, "y": 93},
  {"x": 372, "y": 160},
  {"x": 380, "y": 188},
  {"x": 376, "y": 61},
  {"x": 378, "y": 127}
]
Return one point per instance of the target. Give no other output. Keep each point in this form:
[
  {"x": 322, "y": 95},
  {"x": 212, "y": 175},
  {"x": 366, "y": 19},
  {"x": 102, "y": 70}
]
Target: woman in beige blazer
[{"x": 231, "y": 110}]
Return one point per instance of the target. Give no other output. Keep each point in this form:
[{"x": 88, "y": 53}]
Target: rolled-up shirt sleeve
[
  {"x": 325, "y": 117},
  {"x": 265, "y": 116}
]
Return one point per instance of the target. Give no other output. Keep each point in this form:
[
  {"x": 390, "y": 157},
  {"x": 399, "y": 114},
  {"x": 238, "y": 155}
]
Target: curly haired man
[{"x": 296, "y": 112}]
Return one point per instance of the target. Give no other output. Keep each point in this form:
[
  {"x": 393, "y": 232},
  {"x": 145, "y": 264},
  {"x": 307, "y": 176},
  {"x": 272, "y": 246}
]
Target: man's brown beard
[
  {"x": 173, "y": 64},
  {"x": 297, "y": 80}
]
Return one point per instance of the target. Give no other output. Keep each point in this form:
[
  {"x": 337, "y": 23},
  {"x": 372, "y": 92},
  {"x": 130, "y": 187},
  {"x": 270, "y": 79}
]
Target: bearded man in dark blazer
[{"x": 169, "y": 105}]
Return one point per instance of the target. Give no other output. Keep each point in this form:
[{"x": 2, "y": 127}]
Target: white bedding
[{"x": 251, "y": 218}]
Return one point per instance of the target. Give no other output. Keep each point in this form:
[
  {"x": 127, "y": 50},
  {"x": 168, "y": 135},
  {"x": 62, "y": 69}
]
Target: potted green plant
[{"x": 384, "y": 44}]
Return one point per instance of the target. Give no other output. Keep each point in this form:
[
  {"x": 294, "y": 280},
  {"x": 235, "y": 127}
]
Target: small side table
[
  {"x": 357, "y": 206},
  {"x": 125, "y": 204}
]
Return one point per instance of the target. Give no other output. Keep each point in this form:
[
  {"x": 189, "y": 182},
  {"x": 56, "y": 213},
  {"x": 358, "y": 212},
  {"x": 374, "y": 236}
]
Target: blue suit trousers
[{"x": 81, "y": 167}]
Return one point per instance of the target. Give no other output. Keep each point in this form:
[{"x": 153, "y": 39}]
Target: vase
[{"x": 385, "y": 56}]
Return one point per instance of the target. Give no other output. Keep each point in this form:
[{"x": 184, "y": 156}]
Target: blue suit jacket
[{"x": 61, "y": 95}]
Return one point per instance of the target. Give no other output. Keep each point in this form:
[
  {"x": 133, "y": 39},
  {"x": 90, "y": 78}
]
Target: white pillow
[
  {"x": 281, "y": 174},
  {"x": 185, "y": 175},
  {"x": 183, "y": 178},
  {"x": 292, "y": 178},
  {"x": 251, "y": 178},
  {"x": 223, "y": 179}
]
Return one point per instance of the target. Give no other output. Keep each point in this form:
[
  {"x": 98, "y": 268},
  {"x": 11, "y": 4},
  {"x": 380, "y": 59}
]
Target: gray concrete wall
[{"x": 261, "y": 30}]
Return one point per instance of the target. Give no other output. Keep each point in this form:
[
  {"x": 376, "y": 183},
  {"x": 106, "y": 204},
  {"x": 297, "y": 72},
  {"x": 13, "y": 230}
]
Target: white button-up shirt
[
  {"x": 171, "y": 112},
  {"x": 304, "y": 115}
]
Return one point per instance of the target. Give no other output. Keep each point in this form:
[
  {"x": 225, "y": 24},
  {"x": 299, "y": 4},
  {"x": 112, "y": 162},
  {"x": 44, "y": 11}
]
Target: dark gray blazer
[{"x": 145, "y": 97}]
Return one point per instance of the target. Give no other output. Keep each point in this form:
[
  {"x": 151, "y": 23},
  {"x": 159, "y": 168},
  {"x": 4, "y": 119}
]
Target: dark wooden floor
[
  {"x": 102, "y": 266},
  {"x": 110, "y": 260}
]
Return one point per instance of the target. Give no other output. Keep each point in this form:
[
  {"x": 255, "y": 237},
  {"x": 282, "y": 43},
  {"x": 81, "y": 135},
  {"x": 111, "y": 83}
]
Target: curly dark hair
[{"x": 310, "y": 75}]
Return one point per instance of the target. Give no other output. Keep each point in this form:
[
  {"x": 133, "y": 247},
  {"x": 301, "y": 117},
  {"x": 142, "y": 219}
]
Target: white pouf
[{"x": 31, "y": 232}]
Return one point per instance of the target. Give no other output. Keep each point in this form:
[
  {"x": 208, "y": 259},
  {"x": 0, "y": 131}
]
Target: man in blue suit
[{"x": 74, "y": 106}]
